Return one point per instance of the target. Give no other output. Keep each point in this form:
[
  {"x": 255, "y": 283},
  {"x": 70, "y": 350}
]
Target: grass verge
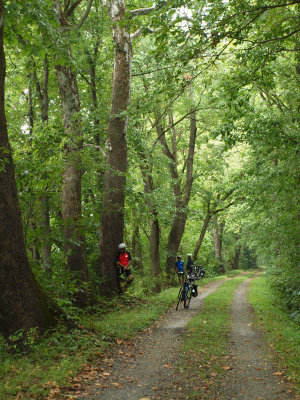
[
  {"x": 282, "y": 334},
  {"x": 54, "y": 361}
]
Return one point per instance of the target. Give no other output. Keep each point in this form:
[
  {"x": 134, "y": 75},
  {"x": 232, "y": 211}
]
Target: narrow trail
[
  {"x": 140, "y": 368},
  {"x": 253, "y": 375},
  {"x": 144, "y": 369}
]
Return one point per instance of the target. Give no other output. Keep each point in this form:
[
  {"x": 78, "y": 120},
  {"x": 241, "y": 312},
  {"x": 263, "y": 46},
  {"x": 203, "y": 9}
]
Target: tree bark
[
  {"x": 42, "y": 92},
  {"x": 137, "y": 261},
  {"x": 23, "y": 303},
  {"x": 154, "y": 223},
  {"x": 218, "y": 242},
  {"x": 71, "y": 189},
  {"x": 112, "y": 218},
  {"x": 236, "y": 258},
  {"x": 202, "y": 234}
]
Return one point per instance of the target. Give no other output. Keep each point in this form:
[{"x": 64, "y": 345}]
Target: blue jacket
[{"x": 179, "y": 265}]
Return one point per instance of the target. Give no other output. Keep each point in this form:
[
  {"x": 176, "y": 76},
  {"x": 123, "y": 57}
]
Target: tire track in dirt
[
  {"x": 253, "y": 375},
  {"x": 144, "y": 368}
]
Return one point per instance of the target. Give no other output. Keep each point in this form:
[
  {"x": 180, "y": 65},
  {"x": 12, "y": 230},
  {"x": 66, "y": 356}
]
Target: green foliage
[{"x": 235, "y": 63}]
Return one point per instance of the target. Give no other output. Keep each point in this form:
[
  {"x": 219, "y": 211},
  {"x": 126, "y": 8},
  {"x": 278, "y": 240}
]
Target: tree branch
[
  {"x": 85, "y": 15},
  {"x": 222, "y": 209},
  {"x": 138, "y": 33},
  {"x": 141, "y": 11},
  {"x": 72, "y": 8}
]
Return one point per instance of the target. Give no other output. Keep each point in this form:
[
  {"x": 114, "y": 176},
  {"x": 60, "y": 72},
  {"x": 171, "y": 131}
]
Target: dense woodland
[{"x": 172, "y": 126}]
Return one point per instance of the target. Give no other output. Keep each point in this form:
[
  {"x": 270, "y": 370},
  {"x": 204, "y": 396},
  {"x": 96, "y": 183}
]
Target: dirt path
[
  {"x": 144, "y": 369},
  {"x": 139, "y": 370},
  {"x": 253, "y": 375}
]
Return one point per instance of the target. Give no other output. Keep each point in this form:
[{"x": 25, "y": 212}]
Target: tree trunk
[
  {"x": 236, "y": 258},
  {"x": 112, "y": 218},
  {"x": 46, "y": 242},
  {"x": 98, "y": 140},
  {"x": 42, "y": 92},
  {"x": 202, "y": 234},
  {"x": 71, "y": 189},
  {"x": 146, "y": 170},
  {"x": 23, "y": 303},
  {"x": 217, "y": 234},
  {"x": 137, "y": 248}
]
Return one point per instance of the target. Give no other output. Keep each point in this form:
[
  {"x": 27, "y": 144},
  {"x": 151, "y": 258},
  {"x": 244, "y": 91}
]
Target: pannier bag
[{"x": 195, "y": 290}]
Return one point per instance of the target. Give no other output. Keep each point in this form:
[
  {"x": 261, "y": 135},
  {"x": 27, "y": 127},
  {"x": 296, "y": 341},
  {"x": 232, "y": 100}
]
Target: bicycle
[{"x": 189, "y": 288}]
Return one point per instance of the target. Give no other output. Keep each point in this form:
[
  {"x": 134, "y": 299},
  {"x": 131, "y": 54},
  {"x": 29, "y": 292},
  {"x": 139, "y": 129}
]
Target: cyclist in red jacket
[{"x": 123, "y": 261}]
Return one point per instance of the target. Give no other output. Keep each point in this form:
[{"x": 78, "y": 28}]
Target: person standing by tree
[
  {"x": 123, "y": 262},
  {"x": 179, "y": 268},
  {"x": 189, "y": 264}
]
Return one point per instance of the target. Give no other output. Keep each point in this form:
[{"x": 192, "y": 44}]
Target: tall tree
[
  {"x": 23, "y": 303},
  {"x": 71, "y": 191},
  {"x": 43, "y": 96},
  {"x": 112, "y": 217}
]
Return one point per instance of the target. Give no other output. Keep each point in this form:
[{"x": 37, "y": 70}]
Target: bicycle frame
[{"x": 185, "y": 291}]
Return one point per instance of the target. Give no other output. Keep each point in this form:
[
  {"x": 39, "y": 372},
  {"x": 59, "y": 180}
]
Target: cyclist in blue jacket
[{"x": 179, "y": 268}]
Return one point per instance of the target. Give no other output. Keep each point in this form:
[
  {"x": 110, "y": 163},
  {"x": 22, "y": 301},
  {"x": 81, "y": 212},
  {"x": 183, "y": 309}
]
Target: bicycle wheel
[
  {"x": 187, "y": 298},
  {"x": 179, "y": 297}
]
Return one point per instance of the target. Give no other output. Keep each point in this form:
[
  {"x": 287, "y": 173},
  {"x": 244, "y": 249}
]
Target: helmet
[
  {"x": 189, "y": 255},
  {"x": 121, "y": 246}
]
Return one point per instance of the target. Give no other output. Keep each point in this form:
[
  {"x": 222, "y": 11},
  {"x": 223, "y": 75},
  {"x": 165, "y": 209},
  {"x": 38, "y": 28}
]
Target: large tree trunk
[
  {"x": 112, "y": 218},
  {"x": 71, "y": 189},
  {"x": 23, "y": 303}
]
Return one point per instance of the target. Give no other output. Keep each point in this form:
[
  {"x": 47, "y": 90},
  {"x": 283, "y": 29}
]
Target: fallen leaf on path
[
  {"x": 279, "y": 373},
  {"x": 227, "y": 367},
  {"x": 257, "y": 379},
  {"x": 168, "y": 365},
  {"x": 117, "y": 385},
  {"x": 101, "y": 385},
  {"x": 119, "y": 341},
  {"x": 106, "y": 374}
]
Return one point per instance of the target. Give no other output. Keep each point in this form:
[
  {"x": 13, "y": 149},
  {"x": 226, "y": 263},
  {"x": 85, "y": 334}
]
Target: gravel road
[{"x": 143, "y": 369}]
